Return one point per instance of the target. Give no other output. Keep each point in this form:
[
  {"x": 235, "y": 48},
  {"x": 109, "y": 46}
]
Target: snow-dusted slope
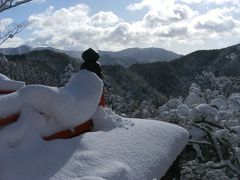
[{"x": 119, "y": 148}]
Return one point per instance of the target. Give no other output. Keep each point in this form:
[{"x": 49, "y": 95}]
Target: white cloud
[
  {"x": 71, "y": 28},
  {"x": 169, "y": 15},
  {"x": 104, "y": 19},
  {"x": 152, "y": 5},
  {"x": 4, "y": 23},
  {"x": 217, "y": 20},
  {"x": 172, "y": 31},
  {"x": 167, "y": 24},
  {"x": 210, "y": 1},
  {"x": 163, "y": 11},
  {"x": 13, "y": 42}
]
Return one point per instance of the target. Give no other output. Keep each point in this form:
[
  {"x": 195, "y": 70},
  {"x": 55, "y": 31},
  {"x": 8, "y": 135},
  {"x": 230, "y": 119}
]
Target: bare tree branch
[
  {"x": 7, "y": 4},
  {"x": 199, "y": 142},
  {"x": 12, "y": 31}
]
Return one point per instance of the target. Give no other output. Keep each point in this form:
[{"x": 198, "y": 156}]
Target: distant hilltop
[{"x": 125, "y": 57}]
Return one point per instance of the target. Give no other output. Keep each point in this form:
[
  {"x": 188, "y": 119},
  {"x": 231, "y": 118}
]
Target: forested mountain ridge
[
  {"x": 174, "y": 78},
  {"x": 56, "y": 60}
]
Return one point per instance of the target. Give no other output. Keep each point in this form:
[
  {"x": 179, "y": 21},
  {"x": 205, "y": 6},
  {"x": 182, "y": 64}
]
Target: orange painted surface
[
  {"x": 80, "y": 129},
  {"x": 6, "y": 91},
  {"x": 102, "y": 101},
  {"x": 9, "y": 119}
]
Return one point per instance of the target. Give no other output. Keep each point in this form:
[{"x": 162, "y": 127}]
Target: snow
[
  {"x": 234, "y": 102},
  {"x": 193, "y": 100},
  {"x": 216, "y": 124},
  {"x": 63, "y": 108},
  {"x": 220, "y": 104},
  {"x": 118, "y": 148},
  {"x": 183, "y": 110},
  {"x": 7, "y": 84},
  {"x": 173, "y": 103},
  {"x": 203, "y": 111}
]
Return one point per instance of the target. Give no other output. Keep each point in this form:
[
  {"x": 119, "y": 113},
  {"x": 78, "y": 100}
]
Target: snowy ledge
[{"x": 130, "y": 149}]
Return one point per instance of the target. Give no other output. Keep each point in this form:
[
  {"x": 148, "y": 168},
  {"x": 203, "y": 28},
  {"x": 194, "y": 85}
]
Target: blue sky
[
  {"x": 181, "y": 26},
  {"x": 118, "y": 7}
]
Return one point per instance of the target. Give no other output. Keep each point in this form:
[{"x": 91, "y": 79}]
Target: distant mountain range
[{"x": 125, "y": 57}]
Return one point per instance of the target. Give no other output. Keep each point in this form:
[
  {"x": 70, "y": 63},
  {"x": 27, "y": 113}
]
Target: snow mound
[
  {"x": 62, "y": 108},
  {"x": 106, "y": 119},
  {"x": 7, "y": 84},
  {"x": 119, "y": 148}
]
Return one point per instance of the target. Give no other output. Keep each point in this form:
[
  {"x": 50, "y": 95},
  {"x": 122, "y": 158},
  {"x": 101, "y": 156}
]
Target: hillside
[
  {"x": 174, "y": 78},
  {"x": 55, "y": 60},
  {"x": 130, "y": 56}
]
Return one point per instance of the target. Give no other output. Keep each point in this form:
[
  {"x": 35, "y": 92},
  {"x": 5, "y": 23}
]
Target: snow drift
[
  {"x": 118, "y": 148},
  {"x": 63, "y": 108}
]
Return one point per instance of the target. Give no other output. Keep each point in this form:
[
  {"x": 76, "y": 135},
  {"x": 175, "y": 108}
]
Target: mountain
[
  {"x": 175, "y": 77},
  {"x": 129, "y": 84},
  {"x": 57, "y": 61},
  {"x": 18, "y": 50},
  {"x": 130, "y": 56},
  {"x": 125, "y": 58},
  {"x": 31, "y": 72}
]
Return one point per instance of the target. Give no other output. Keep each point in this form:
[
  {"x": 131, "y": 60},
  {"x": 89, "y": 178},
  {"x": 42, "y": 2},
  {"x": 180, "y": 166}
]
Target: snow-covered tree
[
  {"x": 68, "y": 72},
  {"x": 213, "y": 121},
  {"x": 213, "y": 86}
]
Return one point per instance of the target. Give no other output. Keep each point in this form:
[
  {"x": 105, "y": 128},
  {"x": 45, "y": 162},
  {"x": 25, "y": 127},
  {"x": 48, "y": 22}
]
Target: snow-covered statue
[{"x": 66, "y": 111}]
